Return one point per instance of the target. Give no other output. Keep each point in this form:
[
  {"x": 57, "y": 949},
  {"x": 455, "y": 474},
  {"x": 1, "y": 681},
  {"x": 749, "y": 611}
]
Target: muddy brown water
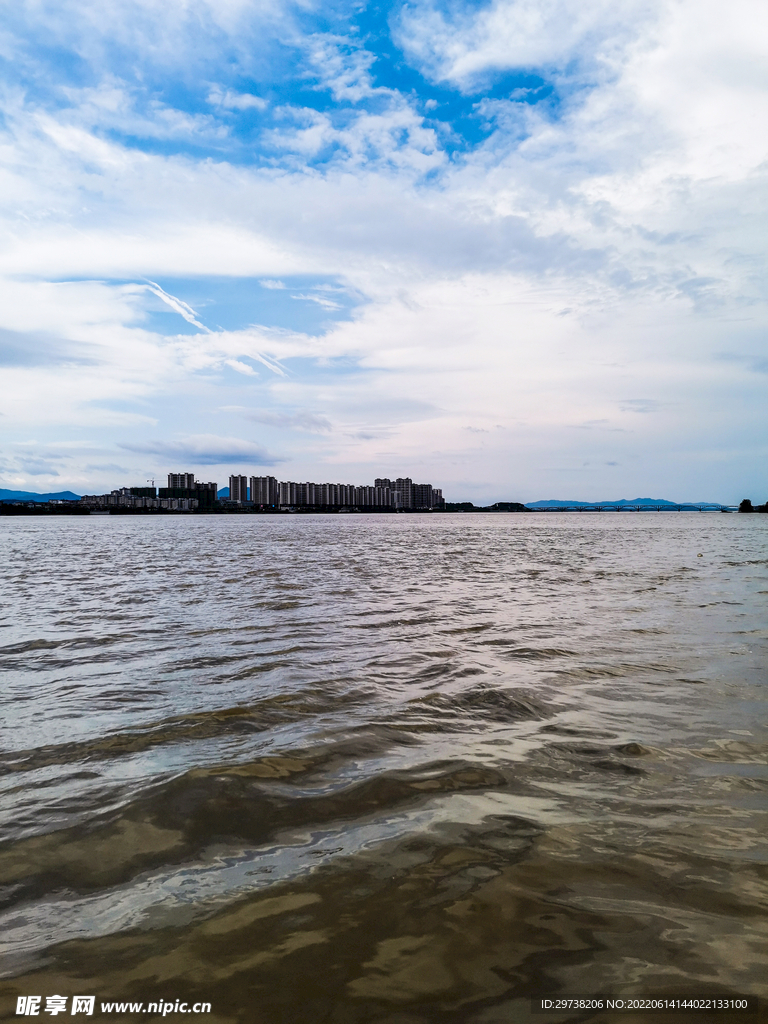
[{"x": 392, "y": 769}]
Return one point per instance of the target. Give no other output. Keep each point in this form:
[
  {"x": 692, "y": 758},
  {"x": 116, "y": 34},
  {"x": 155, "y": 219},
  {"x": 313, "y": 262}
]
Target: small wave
[
  {"x": 230, "y": 803},
  {"x": 66, "y": 643},
  {"x": 258, "y": 717},
  {"x": 484, "y": 703}
]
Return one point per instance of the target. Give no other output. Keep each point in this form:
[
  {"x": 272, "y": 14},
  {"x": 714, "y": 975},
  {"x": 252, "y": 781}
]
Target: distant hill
[
  {"x": 620, "y": 501},
  {"x": 32, "y": 496},
  {"x": 223, "y": 492}
]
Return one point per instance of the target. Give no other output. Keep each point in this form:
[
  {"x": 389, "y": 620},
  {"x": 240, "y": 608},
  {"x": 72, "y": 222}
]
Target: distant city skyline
[
  {"x": 10, "y": 495},
  {"x": 185, "y": 493}
]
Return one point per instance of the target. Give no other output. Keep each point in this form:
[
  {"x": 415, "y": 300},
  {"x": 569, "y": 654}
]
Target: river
[{"x": 405, "y": 769}]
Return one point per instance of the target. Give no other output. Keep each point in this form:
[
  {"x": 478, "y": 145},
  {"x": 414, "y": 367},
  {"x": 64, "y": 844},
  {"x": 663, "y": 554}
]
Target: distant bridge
[{"x": 608, "y": 507}]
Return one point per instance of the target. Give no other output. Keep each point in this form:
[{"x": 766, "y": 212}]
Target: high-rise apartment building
[
  {"x": 404, "y": 493},
  {"x": 186, "y": 480},
  {"x": 308, "y": 494},
  {"x": 238, "y": 488},
  {"x": 264, "y": 490},
  {"x": 184, "y": 485},
  {"x": 402, "y": 489},
  {"x": 288, "y": 492},
  {"x": 422, "y": 495}
]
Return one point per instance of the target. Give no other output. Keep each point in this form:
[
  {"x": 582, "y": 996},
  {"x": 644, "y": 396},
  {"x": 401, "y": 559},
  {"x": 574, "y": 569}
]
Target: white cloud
[
  {"x": 241, "y": 367},
  {"x": 113, "y": 106},
  {"x": 230, "y": 100},
  {"x": 176, "y": 36},
  {"x": 342, "y": 68},
  {"x": 394, "y": 136},
  {"x": 466, "y": 44},
  {"x": 314, "y": 131}
]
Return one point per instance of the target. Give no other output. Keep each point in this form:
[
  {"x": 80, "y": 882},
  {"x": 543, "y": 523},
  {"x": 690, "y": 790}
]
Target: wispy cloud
[
  {"x": 753, "y": 363},
  {"x": 205, "y": 450},
  {"x": 296, "y": 421},
  {"x": 36, "y": 348},
  {"x": 320, "y": 300},
  {"x": 642, "y": 405},
  {"x": 271, "y": 364},
  {"x": 177, "y": 305},
  {"x": 106, "y": 467},
  {"x": 38, "y": 467},
  {"x": 231, "y": 100}
]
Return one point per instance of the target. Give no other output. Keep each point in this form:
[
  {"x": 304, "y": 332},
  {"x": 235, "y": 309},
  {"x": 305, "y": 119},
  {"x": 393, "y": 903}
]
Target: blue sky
[{"x": 513, "y": 248}]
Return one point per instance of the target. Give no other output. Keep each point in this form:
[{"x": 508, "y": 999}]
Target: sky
[{"x": 513, "y": 249}]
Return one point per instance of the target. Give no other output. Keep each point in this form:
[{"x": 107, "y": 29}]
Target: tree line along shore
[{"x": 62, "y": 507}]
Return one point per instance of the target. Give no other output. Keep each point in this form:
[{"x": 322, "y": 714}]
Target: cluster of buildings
[
  {"x": 185, "y": 494},
  {"x": 268, "y": 492}
]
